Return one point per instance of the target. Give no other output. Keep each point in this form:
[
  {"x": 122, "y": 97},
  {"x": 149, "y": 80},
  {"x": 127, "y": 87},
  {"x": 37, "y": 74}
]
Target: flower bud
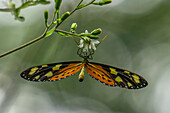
[
  {"x": 11, "y": 5},
  {"x": 65, "y": 15},
  {"x": 74, "y": 26},
  {"x": 104, "y": 2},
  {"x": 107, "y": 1},
  {"x": 96, "y": 31},
  {"x": 57, "y": 4},
  {"x": 46, "y": 16}
]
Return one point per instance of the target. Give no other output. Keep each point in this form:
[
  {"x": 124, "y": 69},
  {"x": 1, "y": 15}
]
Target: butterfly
[{"x": 108, "y": 75}]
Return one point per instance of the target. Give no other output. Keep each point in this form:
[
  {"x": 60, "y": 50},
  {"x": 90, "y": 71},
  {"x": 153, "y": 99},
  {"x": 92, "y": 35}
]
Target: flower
[{"x": 87, "y": 43}]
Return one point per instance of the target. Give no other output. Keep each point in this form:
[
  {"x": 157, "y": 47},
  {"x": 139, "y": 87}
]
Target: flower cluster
[{"x": 87, "y": 44}]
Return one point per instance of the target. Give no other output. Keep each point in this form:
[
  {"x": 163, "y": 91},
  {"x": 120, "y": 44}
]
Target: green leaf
[
  {"x": 50, "y": 32},
  {"x": 63, "y": 34}
]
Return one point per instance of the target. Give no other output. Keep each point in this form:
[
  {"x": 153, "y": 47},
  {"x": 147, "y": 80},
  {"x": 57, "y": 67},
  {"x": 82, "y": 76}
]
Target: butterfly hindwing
[
  {"x": 113, "y": 76},
  {"x": 52, "y": 72}
]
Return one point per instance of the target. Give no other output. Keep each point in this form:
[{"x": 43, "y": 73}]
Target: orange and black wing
[
  {"x": 113, "y": 76},
  {"x": 52, "y": 72}
]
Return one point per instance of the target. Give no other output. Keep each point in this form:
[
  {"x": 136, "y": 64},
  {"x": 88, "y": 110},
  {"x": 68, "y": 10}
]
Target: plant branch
[
  {"x": 46, "y": 30},
  {"x": 69, "y": 33},
  {"x": 7, "y": 10},
  {"x": 24, "y": 5}
]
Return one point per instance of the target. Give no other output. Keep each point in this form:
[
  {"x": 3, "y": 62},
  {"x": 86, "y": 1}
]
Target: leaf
[
  {"x": 50, "y": 32},
  {"x": 63, "y": 34}
]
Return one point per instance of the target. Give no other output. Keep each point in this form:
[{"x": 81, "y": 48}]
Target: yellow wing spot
[
  {"x": 57, "y": 67},
  {"x": 33, "y": 70},
  {"x": 136, "y": 78},
  {"x": 127, "y": 72},
  {"x": 113, "y": 71},
  {"x": 44, "y": 65},
  {"x": 129, "y": 84},
  {"x": 49, "y": 74},
  {"x": 118, "y": 79},
  {"x": 37, "y": 77}
]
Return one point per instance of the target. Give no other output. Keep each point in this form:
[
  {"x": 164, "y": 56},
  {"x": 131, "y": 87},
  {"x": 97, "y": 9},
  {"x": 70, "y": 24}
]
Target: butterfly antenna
[
  {"x": 74, "y": 40},
  {"x": 101, "y": 40}
]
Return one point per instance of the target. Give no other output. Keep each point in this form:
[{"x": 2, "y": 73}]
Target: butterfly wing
[
  {"x": 113, "y": 76},
  {"x": 52, "y": 72}
]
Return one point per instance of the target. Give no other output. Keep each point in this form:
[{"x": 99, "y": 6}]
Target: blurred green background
[{"x": 138, "y": 40}]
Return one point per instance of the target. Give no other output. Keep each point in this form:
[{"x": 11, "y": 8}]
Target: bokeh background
[{"x": 138, "y": 40}]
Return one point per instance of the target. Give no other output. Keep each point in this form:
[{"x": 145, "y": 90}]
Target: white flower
[{"x": 87, "y": 43}]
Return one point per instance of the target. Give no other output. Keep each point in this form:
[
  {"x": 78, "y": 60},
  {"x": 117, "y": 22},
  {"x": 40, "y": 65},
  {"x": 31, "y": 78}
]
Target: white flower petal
[
  {"x": 86, "y": 48},
  {"x": 90, "y": 46},
  {"x": 86, "y": 31},
  {"x": 81, "y": 43},
  {"x": 95, "y": 41},
  {"x": 93, "y": 46},
  {"x": 81, "y": 46}
]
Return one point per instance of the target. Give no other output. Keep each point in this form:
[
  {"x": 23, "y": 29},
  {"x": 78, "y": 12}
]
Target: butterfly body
[{"x": 108, "y": 75}]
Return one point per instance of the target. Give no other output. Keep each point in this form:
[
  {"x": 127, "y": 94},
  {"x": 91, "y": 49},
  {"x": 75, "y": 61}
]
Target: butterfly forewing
[
  {"x": 52, "y": 72},
  {"x": 113, "y": 76}
]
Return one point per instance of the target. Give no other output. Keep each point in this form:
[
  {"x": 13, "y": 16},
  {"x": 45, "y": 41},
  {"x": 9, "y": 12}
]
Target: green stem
[
  {"x": 23, "y": 6},
  {"x": 7, "y": 10},
  {"x": 58, "y": 16},
  {"x": 89, "y": 3},
  {"x": 69, "y": 33}
]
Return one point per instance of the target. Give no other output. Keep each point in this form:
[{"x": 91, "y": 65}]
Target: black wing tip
[{"x": 140, "y": 85}]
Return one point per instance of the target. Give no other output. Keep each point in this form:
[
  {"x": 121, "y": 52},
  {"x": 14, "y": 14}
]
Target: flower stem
[{"x": 69, "y": 33}]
